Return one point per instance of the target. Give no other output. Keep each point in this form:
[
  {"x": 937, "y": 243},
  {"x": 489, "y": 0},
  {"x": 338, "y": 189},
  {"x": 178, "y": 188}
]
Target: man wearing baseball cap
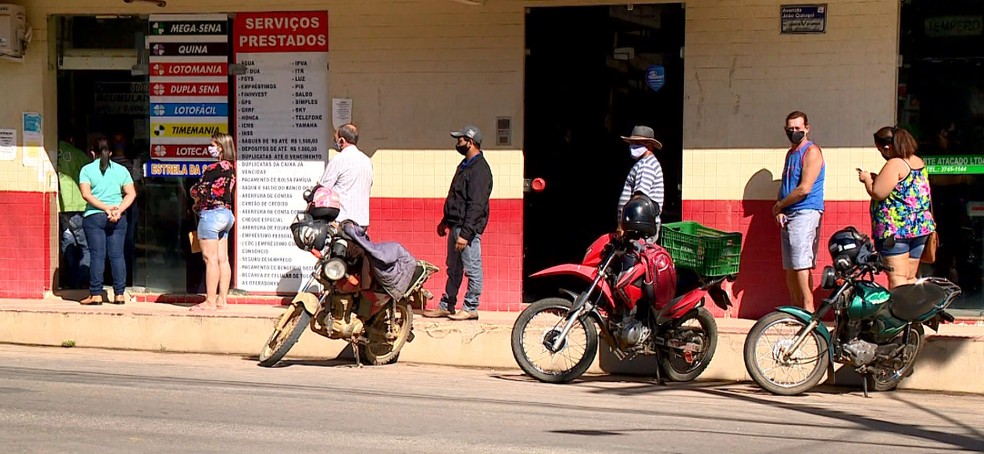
[
  {"x": 466, "y": 213},
  {"x": 646, "y": 176}
]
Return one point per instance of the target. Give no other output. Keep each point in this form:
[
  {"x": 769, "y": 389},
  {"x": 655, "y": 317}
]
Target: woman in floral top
[
  {"x": 900, "y": 204},
  {"x": 213, "y": 195}
]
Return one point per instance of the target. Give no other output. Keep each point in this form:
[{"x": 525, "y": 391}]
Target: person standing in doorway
[
  {"x": 71, "y": 207},
  {"x": 646, "y": 176},
  {"x": 466, "y": 213},
  {"x": 213, "y": 195},
  {"x": 350, "y": 176},
  {"x": 108, "y": 190},
  {"x": 900, "y": 204},
  {"x": 799, "y": 209}
]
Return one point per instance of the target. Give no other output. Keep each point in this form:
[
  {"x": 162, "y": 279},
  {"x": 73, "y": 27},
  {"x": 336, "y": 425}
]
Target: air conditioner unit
[{"x": 13, "y": 31}]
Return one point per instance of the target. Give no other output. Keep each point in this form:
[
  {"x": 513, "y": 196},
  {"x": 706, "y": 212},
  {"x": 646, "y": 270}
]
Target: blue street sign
[{"x": 159, "y": 109}]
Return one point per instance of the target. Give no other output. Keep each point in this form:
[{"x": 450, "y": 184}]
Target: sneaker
[
  {"x": 464, "y": 315},
  {"x": 436, "y": 313}
]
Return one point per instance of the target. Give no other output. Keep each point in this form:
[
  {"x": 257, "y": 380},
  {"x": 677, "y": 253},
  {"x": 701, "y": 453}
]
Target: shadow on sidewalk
[{"x": 345, "y": 358}]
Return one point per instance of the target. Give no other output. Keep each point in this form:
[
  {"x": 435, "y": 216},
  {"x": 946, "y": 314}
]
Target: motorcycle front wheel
[
  {"x": 764, "y": 355},
  {"x": 386, "y": 334},
  {"x": 697, "y": 330},
  {"x": 886, "y": 378},
  {"x": 289, "y": 328},
  {"x": 537, "y": 327}
]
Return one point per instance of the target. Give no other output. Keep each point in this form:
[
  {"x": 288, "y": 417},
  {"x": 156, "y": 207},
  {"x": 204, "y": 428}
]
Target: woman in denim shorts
[
  {"x": 213, "y": 195},
  {"x": 900, "y": 204}
]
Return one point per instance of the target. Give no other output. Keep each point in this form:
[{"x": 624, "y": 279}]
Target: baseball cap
[{"x": 470, "y": 132}]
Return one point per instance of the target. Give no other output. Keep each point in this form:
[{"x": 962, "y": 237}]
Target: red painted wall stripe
[
  {"x": 413, "y": 222},
  {"x": 761, "y": 283},
  {"x": 24, "y": 244}
]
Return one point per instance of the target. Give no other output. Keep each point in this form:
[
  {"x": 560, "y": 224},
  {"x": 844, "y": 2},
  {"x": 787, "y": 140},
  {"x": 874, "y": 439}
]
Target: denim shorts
[
  {"x": 215, "y": 224},
  {"x": 913, "y": 246}
]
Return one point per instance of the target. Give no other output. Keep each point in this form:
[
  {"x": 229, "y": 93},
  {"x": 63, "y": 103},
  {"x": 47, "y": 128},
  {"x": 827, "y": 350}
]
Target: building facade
[{"x": 415, "y": 70}]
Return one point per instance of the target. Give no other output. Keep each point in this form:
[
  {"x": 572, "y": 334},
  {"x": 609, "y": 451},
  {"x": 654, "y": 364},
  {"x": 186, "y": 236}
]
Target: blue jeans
[
  {"x": 74, "y": 249},
  {"x": 467, "y": 262},
  {"x": 106, "y": 238}
]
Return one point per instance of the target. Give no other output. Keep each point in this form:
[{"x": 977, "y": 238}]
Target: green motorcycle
[{"x": 877, "y": 331}]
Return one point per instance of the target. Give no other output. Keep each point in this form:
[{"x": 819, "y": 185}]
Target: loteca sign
[{"x": 799, "y": 19}]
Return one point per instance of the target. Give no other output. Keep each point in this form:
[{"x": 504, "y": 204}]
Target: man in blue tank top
[{"x": 799, "y": 208}]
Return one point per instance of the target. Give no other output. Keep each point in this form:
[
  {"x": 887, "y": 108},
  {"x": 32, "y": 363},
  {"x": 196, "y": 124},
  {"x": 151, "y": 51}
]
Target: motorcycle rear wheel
[
  {"x": 378, "y": 349},
  {"x": 675, "y": 365},
  {"x": 289, "y": 328},
  {"x": 809, "y": 363},
  {"x": 539, "y": 323},
  {"x": 887, "y": 381}
]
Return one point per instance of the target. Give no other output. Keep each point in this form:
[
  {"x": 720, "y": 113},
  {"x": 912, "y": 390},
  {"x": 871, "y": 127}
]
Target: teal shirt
[{"x": 108, "y": 187}]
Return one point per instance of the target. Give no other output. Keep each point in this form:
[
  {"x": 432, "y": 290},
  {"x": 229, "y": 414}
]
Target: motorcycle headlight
[{"x": 334, "y": 269}]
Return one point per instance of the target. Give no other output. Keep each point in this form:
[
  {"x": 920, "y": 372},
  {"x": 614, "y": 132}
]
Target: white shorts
[{"x": 800, "y": 240}]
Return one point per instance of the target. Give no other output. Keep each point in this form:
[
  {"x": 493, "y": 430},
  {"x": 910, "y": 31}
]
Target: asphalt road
[{"x": 80, "y": 400}]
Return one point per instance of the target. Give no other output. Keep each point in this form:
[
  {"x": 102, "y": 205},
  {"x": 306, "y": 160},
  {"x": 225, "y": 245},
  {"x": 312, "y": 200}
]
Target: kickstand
[
  {"x": 864, "y": 385},
  {"x": 355, "y": 350},
  {"x": 659, "y": 372}
]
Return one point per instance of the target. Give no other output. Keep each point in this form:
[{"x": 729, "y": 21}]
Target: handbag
[
  {"x": 929, "y": 252},
  {"x": 932, "y": 242},
  {"x": 196, "y": 246}
]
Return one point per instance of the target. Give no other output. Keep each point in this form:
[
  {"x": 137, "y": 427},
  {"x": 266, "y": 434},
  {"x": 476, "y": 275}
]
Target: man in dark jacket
[{"x": 466, "y": 212}]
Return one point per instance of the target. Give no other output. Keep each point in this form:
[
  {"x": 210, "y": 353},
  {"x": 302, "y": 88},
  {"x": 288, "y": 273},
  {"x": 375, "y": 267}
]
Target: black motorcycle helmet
[
  {"x": 309, "y": 233},
  {"x": 639, "y": 217},
  {"x": 844, "y": 246}
]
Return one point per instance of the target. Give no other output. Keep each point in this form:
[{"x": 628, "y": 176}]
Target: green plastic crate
[{"x": 707, "y": 251}]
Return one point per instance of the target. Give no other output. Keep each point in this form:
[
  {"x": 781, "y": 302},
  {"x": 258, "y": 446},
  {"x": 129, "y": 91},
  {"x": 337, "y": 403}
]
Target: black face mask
[
  {"x": 795, "y": 136},
  {"x": 463, "y": 149}
]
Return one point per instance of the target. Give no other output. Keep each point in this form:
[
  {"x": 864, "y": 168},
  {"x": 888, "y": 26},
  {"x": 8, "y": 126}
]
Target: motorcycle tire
[
  {"x": 377, "y": 350},
  {"x": 888, "y": 382},
  {"x": 821, "y": 358},
  {"x": 581, "y": 358},
  {"x": 289, "y": 328},
  {"x": 674, "y": 366}
]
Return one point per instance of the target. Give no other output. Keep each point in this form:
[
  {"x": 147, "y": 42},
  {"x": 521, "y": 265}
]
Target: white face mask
[
  {"x": 637, "y": 151},
  {"x": 213, "y": 151}
]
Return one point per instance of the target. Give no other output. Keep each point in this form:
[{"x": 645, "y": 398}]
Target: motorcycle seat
[{"x": 911, "y": 302}]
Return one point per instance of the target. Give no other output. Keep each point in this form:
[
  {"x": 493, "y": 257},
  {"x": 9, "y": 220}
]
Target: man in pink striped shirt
[{"x": 350, "y": 175}]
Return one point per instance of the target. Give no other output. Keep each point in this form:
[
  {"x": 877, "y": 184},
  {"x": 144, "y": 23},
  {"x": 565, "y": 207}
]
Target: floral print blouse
[
  {"x": 905, "y": 213},
  {"x": 215, "y": 188}
]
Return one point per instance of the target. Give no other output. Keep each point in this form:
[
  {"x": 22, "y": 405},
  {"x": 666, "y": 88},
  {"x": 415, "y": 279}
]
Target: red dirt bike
[{"x": 631, "y": 296}]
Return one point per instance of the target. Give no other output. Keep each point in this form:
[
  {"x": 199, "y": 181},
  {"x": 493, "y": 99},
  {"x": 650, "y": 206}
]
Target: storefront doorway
[
  {"x": 102, "y": 91},
  {"x": 591, "y": 74},
  {"x": 941, "y": 100}
]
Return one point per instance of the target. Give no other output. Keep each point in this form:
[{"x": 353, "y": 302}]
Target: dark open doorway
[{"x": 586, "y": 85}]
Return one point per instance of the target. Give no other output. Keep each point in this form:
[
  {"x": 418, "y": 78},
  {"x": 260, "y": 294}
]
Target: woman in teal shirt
[{"x": 108, "y": 191}]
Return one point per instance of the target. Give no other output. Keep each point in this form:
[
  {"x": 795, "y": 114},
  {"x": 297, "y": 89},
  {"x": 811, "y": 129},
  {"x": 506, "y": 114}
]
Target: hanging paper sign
[
  {"x": 655, "y": 77},
  {"x": 283, "y": 133}
]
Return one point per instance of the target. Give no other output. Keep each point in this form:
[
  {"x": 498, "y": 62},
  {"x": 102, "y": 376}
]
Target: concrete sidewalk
[{"x": 953, "y": 360}]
